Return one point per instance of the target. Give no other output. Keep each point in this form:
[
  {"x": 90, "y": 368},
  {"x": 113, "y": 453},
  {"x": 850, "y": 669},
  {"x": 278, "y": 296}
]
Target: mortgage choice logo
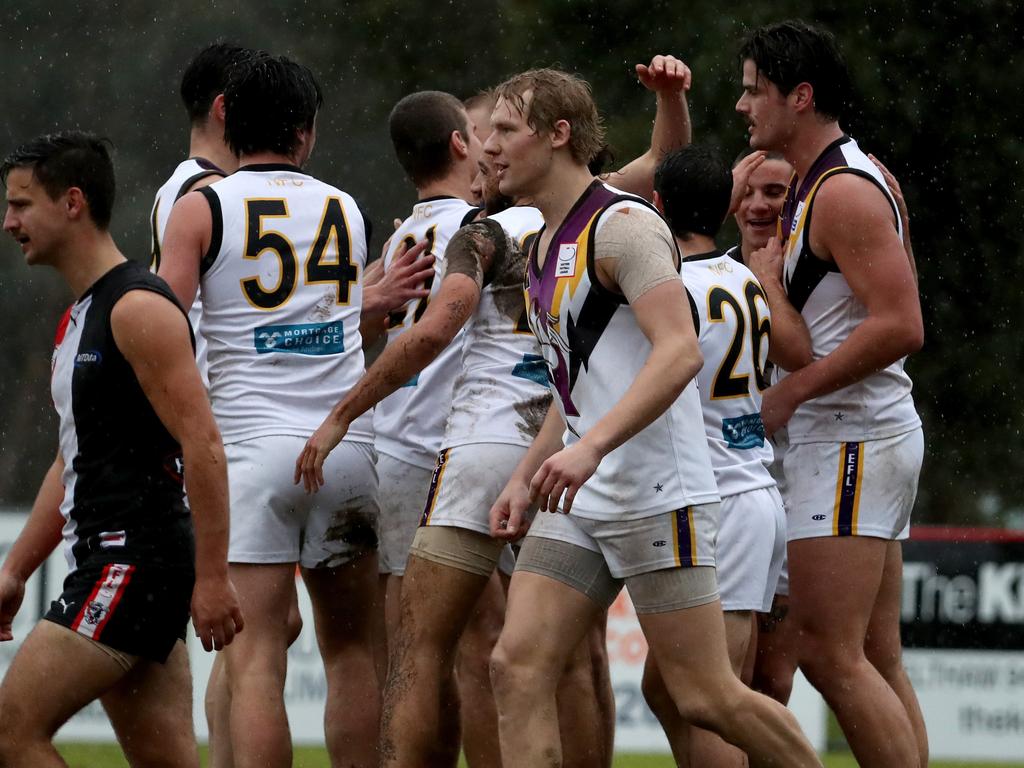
[{"x": 300, "y": 339}]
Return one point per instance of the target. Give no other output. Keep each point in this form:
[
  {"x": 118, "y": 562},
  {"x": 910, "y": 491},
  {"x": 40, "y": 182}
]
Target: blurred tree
[{"x": 939, "y": 103}]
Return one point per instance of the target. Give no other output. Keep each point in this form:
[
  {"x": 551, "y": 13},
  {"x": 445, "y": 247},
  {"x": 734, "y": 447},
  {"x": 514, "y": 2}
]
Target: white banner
[{"x": 973, "y": 702}]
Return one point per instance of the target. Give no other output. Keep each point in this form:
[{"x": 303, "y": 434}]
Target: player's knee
[
  {"x": 513, "y": 675},
  {"x": 828, "y": 666},
  {"x": 655, "y": 693},
  {"x": 774, "y": 681},
  {"x": 17, "y": 730}
]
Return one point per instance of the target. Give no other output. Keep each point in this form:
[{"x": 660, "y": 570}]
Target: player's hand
[
  {"x": 665, "y": 74},
  {"x": 777, "y": 408},
  {"x": 405, "y": 277},
  {"x": 741, "y": 178},
  {"x": 373, "y": 273},
  {"x": 216, "y": 615},
  {"x": 12, "y": 592},
  {"x": 513, "y": 512},
  {"x": 309, "y": 467},
  {"x": 564, "y": 472},
  {"x": 766, "y": 263}
]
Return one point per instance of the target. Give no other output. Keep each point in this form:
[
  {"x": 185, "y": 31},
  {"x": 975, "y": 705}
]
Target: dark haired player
[
  {"x": 855, "y": 437},
  {"x": 131, "y": 405},
  {"x": 209, "y": 156},
  {"x": 279, "y": 255},
  {"x": 734, "y": 328}
]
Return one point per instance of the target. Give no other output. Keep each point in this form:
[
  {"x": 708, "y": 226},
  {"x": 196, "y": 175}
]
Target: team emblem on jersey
[
  {"x": 94, "y": 613},
  {"x": 566, "y": 264},
  {"x": 556, "y": 354}
]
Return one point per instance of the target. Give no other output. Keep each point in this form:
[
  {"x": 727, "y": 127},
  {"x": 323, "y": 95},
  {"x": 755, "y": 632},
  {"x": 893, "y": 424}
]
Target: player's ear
[
  {"x": 74, "y": 203},
  {"x": 458, "y": 145},
  {"x": 802, "y": 97},
  {"x": 560, "y": 133},
  {"x": 659, "y": 203},
  {"x": 217, "y": 108}
]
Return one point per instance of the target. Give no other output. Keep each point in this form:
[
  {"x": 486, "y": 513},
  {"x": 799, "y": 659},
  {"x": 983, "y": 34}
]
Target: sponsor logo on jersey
[
  {"x": 87, "y": 358},
  {"x": 110, "y": 539},
  {"x": 566, "y": 265},
  {"x": 659, "y": 543},
  {"x": 743, "y": 432},
  {"x": 301, "y": 339}
]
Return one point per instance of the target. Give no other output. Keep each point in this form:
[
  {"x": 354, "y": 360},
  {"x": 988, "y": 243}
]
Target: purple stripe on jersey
[
  {"x": 541, "y": 284},
  {"x": 831, "y": 157}
]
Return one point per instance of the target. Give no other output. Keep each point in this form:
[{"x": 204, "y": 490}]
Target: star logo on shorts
[
  {"x": 658, "y": 488},
  {"x": 839, "y": 416}
]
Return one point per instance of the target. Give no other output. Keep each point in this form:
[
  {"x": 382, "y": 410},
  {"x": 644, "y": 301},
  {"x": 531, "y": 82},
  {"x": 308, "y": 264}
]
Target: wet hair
[
  {"x": 792, "y": 52},
  {"x": 206, "y": 76},
  {"x": 421, "y": 126},
  {"x": 267, "y": 100},
  {"x": 68, "y": 159},
  {"x": 554, "y": 96},
  {"x": 695, "y": 185}
]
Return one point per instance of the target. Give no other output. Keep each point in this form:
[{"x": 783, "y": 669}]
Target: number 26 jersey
[{"x": 282, "y": 296}]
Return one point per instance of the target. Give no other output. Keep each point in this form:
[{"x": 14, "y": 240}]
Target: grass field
[{"x": 109, "y": 756}]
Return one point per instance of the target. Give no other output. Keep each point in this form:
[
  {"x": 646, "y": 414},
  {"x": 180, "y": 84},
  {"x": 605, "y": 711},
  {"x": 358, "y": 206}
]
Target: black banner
[{"x": 963, "y": 589}]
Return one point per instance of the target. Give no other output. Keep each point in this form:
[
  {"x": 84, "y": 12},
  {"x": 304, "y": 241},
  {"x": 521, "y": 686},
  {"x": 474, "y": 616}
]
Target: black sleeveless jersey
[{"x": 123, "y": 494}]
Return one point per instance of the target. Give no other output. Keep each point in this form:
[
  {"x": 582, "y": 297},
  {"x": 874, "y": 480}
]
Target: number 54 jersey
[
  {"x": 282, "y": 295},
  {"x": 733, "y": 324}
]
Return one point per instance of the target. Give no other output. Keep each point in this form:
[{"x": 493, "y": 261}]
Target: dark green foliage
[{"x": 939, "y": 100}]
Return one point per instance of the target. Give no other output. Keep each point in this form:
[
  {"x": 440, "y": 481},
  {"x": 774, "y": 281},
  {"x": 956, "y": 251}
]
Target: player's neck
[
  {"x": 453, "y": 185},
  {"x": 806, "y": 145},
  {"x": 558, "y": 193},
  {"x": 202, "y": 144},
  {"x": 92, "y": 255},
  {"x": 267, "y": 158},
  {"x": 695, "y": 244}
]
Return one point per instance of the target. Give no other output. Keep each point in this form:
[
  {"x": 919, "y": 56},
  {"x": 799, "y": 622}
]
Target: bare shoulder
[
  {"x": 141, "y": 313},
  {"x": 850, "y": 198}
]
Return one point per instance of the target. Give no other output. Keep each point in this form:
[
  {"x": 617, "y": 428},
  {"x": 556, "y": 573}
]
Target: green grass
[{"x": 110, "y": 756}]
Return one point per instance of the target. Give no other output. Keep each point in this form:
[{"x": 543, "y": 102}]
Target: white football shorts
[{"x": 273, "y": 520}]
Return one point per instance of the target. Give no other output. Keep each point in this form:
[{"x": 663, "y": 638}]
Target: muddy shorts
[{"x": 273, "y": 520}]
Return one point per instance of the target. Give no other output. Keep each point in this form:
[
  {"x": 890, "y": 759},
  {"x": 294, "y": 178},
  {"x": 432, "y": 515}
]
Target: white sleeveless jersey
[
  {"x": 282, "y": 295},
  {"x": 880, "y": 405},
  {"x": 410, "y": 423},
  {"x": 184, "y": 176},
  {"x": 501, "y": 393},
  {"x": 733, "y": 326},
  {"x": 594, "y": 350}
]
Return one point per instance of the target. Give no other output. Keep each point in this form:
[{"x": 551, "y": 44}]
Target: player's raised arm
[
  {"x": 669, "y": 79},
  {"x": 153, "y": 336},
  {"x": 186, "y": 241},
  {"x": 39, "y": 537},
  {"x": 468, "y": 259},
  {"x": 854, "y": 225}
]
